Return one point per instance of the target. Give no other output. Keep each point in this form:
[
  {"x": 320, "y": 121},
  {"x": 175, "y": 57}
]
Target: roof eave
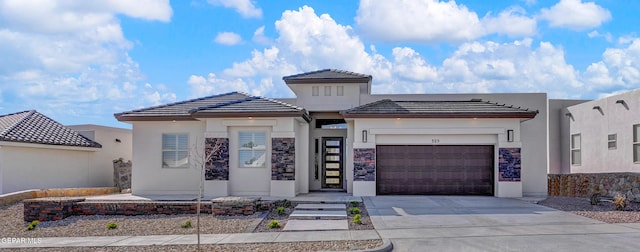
[
  {"x": 529, "y": 115},
  {"x": 327, "y": 80},
  {"x": 130, "y": 118}
]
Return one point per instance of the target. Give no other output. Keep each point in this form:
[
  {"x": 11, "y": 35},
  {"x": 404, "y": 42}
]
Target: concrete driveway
[{"x": 479, "y": 223}]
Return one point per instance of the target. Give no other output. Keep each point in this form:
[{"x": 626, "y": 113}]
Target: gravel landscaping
[
  {"x": 282, "y": 219},
  {"x": 603, "y": 211},
  {"x": 12, "y": 225}
]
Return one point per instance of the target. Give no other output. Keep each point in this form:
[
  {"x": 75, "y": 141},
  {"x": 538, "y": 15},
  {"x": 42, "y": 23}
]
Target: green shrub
[
  {"x": 354, "y": 210},
  {"x": 283, "y": 203},
  {"x": 280, "y": 210},
  {"x": 186, "y": 224},
  {"x": 274, "y": 224},
  {"x": 112, "y": 225},
  {"x": 356, "y": 219},
  {"x": 620, "y": 202},
  {"x": 354, "y": 203},
  {"x": 33, "y": 225}
]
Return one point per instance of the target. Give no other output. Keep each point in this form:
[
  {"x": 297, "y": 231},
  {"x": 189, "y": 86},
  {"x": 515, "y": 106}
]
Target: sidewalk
[{"x": 269, "y": 237}]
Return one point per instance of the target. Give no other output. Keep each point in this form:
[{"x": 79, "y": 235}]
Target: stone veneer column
[
  {"x": 283, "y": 159},
  {"x": 217, "y": 167},
  {"x": 364, "y": 164}
]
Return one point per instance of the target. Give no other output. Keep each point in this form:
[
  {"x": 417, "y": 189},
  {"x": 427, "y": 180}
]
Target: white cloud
[
  {"x": 512, "y": 22},
  {"x": 422, "y": 21},
  {"x": 433, "y": 21},
  {"x": 259, "y": 37},
  {"x": 595, "y": 34},
  {"x": 307, "y": 41},
  {"x": 72, "y": 57},
  {"x": 246, "y": 8},
  {"x": 228, "y": 38},
  {"x": 575, "y": 15}
]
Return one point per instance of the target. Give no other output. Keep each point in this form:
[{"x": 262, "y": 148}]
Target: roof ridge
[
  {"x": 15, "y": 125},
  {"x": 181, "y": 102},
  {"x": 327, "y": 70}
]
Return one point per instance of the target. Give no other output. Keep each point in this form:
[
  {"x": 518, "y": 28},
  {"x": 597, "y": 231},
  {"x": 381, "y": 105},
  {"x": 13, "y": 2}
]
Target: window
[
  {"x": 315, "y": 91},
  {"x": 252, "y": 150},
  {"x": 331, "y": 124},
  {"x": 612, "y": 141},
  {"x": 576, "y": 158},
  {"x": 175, "y": 150},
  {"x": 340, "y": 90},
  {"x": 327, "y": 91},
  {"x": 636, "y": 143}
]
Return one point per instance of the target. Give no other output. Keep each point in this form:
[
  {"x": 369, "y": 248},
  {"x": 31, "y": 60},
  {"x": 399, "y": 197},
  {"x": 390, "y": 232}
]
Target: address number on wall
[{"x": 435, "y": 140}]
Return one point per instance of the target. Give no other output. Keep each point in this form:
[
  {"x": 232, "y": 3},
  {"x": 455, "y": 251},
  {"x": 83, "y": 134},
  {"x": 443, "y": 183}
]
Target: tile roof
[
  {"x": 438, "y": 109},
  {"x": 32, "y": 127},
  {"x": 234, "y": 104},
  {"x": 327, "y": 75}
]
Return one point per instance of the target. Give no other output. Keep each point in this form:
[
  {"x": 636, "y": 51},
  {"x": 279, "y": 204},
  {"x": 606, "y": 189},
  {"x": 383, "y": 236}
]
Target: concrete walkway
[
  {"x": 469, "y": 223},
  {"x": 110, "y": 241}
]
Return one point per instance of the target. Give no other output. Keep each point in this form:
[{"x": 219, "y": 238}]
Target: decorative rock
[{"x": 586, "y": 184}]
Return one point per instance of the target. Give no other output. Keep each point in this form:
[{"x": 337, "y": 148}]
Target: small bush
[
  {"x": 354, "y": 203},
  {"x": 280, "y": 210},
  {"x": 595, "y": 199},
  {"x": 619, "y": 202},
  {"x": 274, "y": 224},
  {"x": 33, "y": 225},
  {"x": 357, "y": 219},
  {"x": 354, "y": 210},
  {"x": 186, "y": 224},
  {"x": 112, "y": 225}
]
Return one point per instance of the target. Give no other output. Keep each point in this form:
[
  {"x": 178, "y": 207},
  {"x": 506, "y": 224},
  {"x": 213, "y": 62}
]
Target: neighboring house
[
  {"x": 37, "y": 152},
  {"x": 602, "y": 135},
  {"x": 336, "y": 136}
]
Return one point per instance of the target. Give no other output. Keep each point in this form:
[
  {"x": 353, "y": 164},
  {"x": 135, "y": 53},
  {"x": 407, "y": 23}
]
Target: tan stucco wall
[
  {"x": 102, "y": 161},
  {"x": 147, "y": 174},
  {"x": 594, "y": 127},
  {"x": 42, "y": 168}
]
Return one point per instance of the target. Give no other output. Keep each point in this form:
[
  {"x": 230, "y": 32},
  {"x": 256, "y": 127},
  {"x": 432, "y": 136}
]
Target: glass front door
[{"x": 332, "y": 162}]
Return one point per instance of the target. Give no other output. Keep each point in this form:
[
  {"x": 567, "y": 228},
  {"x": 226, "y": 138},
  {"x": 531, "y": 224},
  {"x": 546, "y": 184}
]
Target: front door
[{"x": 332, "y": 162}]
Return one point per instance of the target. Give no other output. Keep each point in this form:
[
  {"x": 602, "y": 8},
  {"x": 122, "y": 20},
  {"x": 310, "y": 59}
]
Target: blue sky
[{"x": 81, "y": 61}]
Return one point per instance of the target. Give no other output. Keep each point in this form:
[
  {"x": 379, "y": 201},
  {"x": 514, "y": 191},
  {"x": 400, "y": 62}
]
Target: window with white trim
[
  {"x": 315, "y": 91},
  {"x": 612, "y": 141},
  {"x": 252, "y": 148},
  {"x": 576, "y": 157},
  {"x": 175, "y": 150},
  {"x": 636, "y": 143},
  {"x": 340, "y": 90}
]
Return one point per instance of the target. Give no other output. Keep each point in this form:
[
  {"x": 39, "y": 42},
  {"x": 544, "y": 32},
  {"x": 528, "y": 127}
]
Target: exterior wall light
[
  {"x": 364, "y": 136},
  {"x": 509, "y": 135}
]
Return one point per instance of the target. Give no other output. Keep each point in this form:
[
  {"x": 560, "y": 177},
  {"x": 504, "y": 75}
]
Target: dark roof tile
[
  {"x": 327, "y": 75},
  {"x": 32, "y": 127},
  {"x": 435, "y": 109}
]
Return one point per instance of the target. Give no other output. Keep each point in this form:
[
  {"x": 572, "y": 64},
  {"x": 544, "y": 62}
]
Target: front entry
[{"x": 332, "y": 162}]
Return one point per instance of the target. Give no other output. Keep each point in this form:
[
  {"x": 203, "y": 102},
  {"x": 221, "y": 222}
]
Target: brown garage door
[{"x": 434, "y": 169}]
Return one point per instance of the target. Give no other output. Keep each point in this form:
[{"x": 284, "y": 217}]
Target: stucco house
[
  {"x": 37, "y": 152},
  {"x": 337, "y": 136},
  {"x": 601, "y": 135}
]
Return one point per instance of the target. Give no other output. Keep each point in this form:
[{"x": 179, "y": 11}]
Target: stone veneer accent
[
  {"x": 217, "y": 167},
  {"x": 122, "y": 174},
  {"x": 58, "y": 208},
  {"x": 586, "y": 184},
  {"x": 283, "y": 159},
  {"x": 509, "y": 164},
  {"x": 364, "y": 164},
  {"x": 234, "y": 206}
]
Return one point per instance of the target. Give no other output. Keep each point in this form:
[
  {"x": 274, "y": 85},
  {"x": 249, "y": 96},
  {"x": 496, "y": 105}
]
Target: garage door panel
[{"x": 435, "y": 169}]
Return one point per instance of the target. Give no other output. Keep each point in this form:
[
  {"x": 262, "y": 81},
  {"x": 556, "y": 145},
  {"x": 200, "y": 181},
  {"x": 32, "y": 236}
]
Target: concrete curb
[{"x": 385, "y": 247}]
